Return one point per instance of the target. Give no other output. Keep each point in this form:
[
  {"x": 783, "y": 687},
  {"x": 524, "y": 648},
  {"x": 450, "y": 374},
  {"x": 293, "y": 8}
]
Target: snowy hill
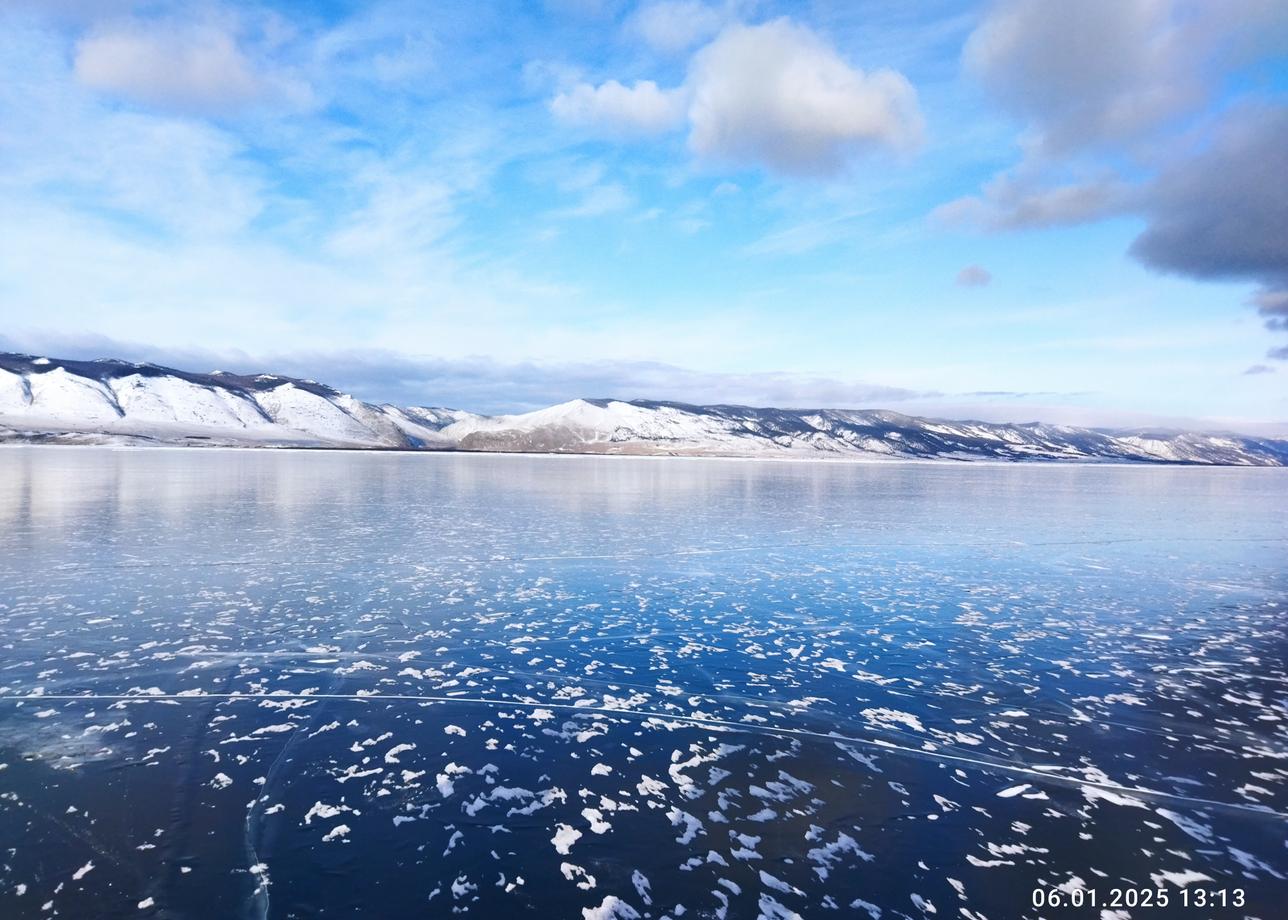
[
  {"x": 114, "y": 401},
  {"x": 106, "y": 401},
  {"x": 645, "y": 427}
]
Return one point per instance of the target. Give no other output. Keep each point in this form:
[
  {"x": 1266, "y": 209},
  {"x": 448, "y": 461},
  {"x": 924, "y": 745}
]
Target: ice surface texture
[{"x": 276, "y": 684}]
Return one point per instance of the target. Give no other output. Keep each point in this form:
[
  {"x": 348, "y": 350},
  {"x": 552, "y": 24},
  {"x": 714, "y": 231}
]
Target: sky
[{"x": 1014, "y": 210}]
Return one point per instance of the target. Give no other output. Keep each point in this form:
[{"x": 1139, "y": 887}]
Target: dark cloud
[
  {"x": 483, "y": 384},
  {"x": 974, "y": 276},
  {"x": 1123, "y": 77},
  {"x": 1128, "y": 82},
  {"x": 1223, "y": 214},
  {"x": 1258, "y": 369},
  {"x": 1273, "y": 307}
]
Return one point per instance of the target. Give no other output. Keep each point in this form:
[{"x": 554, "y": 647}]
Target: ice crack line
[{"x": 1048, "y": 774}]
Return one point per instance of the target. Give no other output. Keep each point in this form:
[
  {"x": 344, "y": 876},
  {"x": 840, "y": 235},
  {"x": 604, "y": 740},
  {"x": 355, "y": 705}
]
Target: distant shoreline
[
  {"x": 945, "y": 462},
  {"x": 107, "y": 402}
]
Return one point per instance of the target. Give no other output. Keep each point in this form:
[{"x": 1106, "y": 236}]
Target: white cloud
[
  {"x": 671, "y": 26},
  {"x": 190, "y": 68},
  {"x": 1106, "y": 71},
  {"x": 777, "y": 94},
  {"x": 773, "y": 95},
  {"x": 1085, "y": 72},
  {"x": 159, "y": 171},
  {"x": 614, "y": 109}
]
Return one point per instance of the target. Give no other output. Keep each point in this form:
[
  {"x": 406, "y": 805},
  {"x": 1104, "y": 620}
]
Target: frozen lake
[{"x": 294, "y": 684}]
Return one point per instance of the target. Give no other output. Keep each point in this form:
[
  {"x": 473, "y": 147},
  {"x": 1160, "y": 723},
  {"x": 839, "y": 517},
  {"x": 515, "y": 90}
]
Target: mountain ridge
[{"x": 109, "y": 401}]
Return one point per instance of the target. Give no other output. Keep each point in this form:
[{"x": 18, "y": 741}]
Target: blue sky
[{"x": 1013, "y": 210}]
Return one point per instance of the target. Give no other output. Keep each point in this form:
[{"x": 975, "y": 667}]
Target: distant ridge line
[{"x": 109, "y": 401}]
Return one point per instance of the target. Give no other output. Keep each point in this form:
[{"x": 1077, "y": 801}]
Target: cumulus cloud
[
  {"x": 777, "y": 94},
  {"x": 1085, "y": 72},
  {"x": 672, "y": 26},
  {"x": 774, "y": 95},
  {"x": 191, "y": 68},
  {"x": 974, "y": 276},
  {"x": 1099, "y": 71},
  {"x": 613, "y": 109}
]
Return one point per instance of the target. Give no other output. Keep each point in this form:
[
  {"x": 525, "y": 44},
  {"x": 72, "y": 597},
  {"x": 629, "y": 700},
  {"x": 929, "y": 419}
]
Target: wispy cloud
[
  {"x": 598, "y": 201},
  {"x": 804, "y": 236}
]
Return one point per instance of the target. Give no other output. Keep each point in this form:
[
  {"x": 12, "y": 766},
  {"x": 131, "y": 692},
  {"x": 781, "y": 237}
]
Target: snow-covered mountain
[
  {"x": 49, "y": 399},
  {"x": 106, "y": 401}
]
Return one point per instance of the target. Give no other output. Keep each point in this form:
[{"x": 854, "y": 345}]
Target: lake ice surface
[{"x": 298, "y": 684}]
